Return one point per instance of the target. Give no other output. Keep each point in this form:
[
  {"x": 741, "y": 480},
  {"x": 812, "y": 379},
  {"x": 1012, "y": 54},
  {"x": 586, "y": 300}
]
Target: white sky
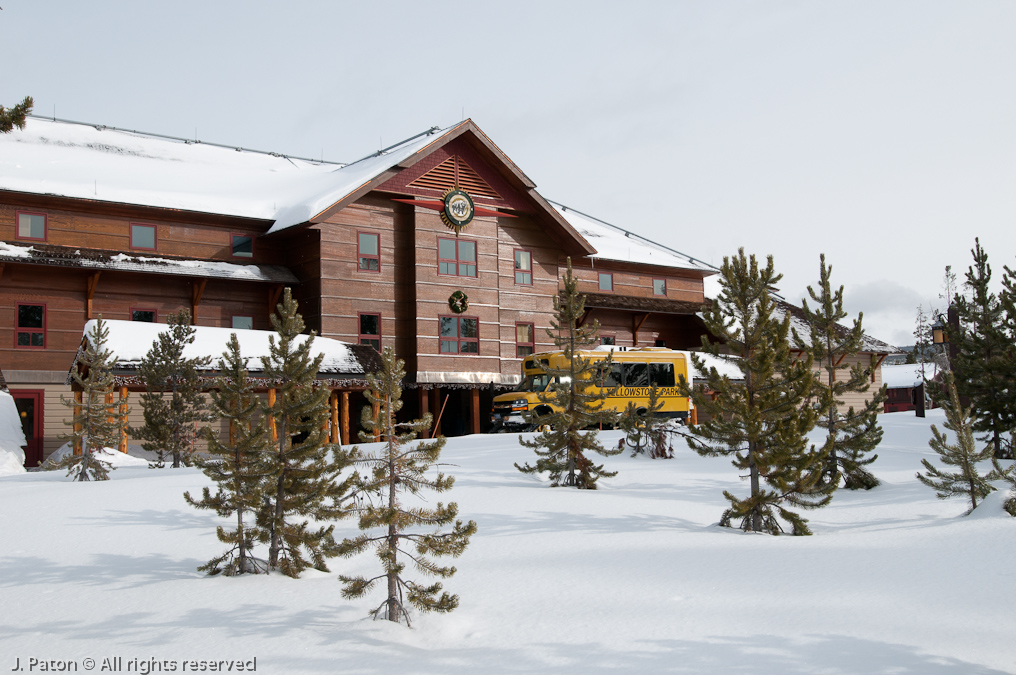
[{"x": 882, "y": 134}]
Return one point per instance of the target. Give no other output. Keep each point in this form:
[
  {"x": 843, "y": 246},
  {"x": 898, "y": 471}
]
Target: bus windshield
[{"x": 534, "y": 383}]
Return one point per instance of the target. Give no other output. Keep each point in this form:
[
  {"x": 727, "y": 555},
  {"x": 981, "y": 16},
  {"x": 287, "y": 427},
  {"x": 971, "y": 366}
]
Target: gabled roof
[{"x": 102, "y": 164}]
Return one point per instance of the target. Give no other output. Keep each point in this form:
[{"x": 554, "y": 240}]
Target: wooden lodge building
[{"x": 378, "y": 252}]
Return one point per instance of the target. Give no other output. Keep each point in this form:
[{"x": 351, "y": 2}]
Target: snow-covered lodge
[{"x": 133, "y": 226}]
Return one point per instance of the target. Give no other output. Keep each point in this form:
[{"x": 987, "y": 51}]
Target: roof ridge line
[
  {"x": 188, "y": 141},
  {"x": 628, "y": 233}
]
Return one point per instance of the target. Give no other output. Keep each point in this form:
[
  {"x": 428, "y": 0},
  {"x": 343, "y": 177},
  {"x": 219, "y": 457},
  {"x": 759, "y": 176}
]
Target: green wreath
[{"x": 458, "y": 302}]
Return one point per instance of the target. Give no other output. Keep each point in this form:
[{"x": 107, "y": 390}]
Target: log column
[
  {"x": 333, "y": 401},
  {"x": 123, "y": 420},
  {"x": 344, "y": 417},
  {"x": 77, "y": 424},
  {"x": 424, "y": 408},
  {"x": 271, "y": 416},
  {"x": 474, "y": 395}
]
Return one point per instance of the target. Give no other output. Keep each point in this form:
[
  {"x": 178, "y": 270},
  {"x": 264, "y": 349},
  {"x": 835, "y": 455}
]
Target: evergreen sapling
[
  {"x": 573, "y": 398},
  {"x": 399, "y": 470},
  {"x": 96, "y": 423},
  {"x": 173, "y": 403},
  {"x": 304, "y": 480},
  {"x": 237, "y": 462}
]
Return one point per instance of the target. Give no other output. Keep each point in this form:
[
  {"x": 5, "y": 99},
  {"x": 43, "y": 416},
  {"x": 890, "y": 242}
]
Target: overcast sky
[{"x": 882, "y": 134}]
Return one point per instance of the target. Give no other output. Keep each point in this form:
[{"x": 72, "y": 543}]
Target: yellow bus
[{"x": 631, "y": 375}]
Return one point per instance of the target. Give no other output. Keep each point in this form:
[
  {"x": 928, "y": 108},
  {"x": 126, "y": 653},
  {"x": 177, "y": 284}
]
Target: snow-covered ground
[{"x": 634, "y": 577}]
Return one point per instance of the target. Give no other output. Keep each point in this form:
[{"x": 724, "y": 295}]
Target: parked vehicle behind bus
[{"x": 631, "y": 375}]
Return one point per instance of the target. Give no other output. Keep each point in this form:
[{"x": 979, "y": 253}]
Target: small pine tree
[
  {"x": 984, "y": 357},
  {"x": 562, "y": 450},
  {"x": 305, "y": 467},
  {"x": 237, "y": 462},
  {"x": 923, "y": 342},
  {"x": 97, "y": 423},
  {"x": 644, "y": 429},
  {"x": 173, "y": 403},
  {"x": 763, "y": 421},
  {"x": 963, "y": 455},
  {"x": 400, "y": 468},
  {"x": 15, "y": 117},
  {"x": 850, "y": 435}
]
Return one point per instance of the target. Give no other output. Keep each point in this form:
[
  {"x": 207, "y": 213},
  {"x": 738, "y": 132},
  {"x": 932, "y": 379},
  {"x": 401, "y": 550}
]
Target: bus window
[
  {"x": 636, "y": 374},
  {"x": 610, "y": 377},
  {"x": 661, "y": 374},
  {"x": 534, "y": 383}
]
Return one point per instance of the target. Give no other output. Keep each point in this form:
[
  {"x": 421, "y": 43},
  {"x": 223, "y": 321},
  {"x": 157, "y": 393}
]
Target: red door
[{"x": 29, "y": 405}]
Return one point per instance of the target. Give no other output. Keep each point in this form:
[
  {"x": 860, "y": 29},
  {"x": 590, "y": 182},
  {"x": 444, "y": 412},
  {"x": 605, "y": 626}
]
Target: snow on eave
[
  {"x": 45, "y": 254},
  {"x": 129, "y": 341},
  {"x": 615, "y": 243}
]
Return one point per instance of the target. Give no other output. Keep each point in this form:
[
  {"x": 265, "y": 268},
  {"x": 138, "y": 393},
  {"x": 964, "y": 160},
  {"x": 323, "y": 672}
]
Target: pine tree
[
  {"x": 850, "y": 435},
  {"x": 305, "y": 468},
  {"x": 562, "y": 450},
  {"x": 173, "y": 403},
  {"x": 923, "y": 342},
  {"x": 963, "y": 455},
  {"x": 97, "y": 422},
  {"x": 398, "y": 470},
  {"x": 238, "y": 463},
  {"x": 761, "y": 422},
  {"x": 984, "y": 361},
  {"x": 644, "y": 429},
  {"x": 15, "y": 117}
]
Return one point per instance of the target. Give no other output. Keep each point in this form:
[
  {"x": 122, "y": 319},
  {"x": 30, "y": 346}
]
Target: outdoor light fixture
[{"x": 938, "y": 335}]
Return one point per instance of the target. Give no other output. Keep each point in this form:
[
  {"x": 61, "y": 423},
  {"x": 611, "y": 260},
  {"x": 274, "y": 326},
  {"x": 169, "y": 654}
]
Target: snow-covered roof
[
  {"x": 59, "y": 255},
  {"x": 130, "y": 341},
  {"x": 102, "y": 164},
  {"x": 614, "y": 243},
  {"x": 12, "y": 438},
  {"x": 906, "y": 375}
]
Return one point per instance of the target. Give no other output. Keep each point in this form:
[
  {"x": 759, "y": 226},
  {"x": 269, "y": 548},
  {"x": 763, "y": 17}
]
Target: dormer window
[
  {"x": 243, "y": 246},
  {"x": 143, "y": 237},
  {"x": 32, "y": 226}
]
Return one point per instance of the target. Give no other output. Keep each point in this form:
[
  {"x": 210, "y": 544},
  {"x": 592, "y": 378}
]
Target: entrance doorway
[{"x": 29, "y": 404}]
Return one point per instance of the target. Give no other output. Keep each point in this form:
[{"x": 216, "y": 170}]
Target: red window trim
[
  {"x": 612, "y": 336},
  {"x": 532, "y": 333},
  {"x": 45, "y": 225},
  {"x": 515, "y": 271},
  {"x": 45, "y": 322},
  {"x": 459, "y": 339},
  {"x": 373, "y": 256},
  {"x": 660, "y": 295},
  {"x": 458, "y": 261},
  {"x": 360, "y": 337},
  {"x": 599, "y": 286},
  {"x": 253, "y": 245},
  {"x": 144, "y": 309},
  {"x": 145, "y": 248},
  {"x": 253, "y": 320}
]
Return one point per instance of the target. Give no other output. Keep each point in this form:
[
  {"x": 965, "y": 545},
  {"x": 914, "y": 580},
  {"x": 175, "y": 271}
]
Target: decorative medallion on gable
[{"x": 455, "y": 173}]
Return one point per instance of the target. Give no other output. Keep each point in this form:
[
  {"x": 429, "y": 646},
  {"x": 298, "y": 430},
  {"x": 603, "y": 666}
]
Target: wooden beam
[
  {"x": 583, "y": 318},
  {"x": 344, "y": 418},
  {"x": 123, "y": 420},
  {"x": 90, "y": 286},
  {"x": 635, "y": 327},
  {"x": 877, "y": 365},
  {"x": 274, "y": 294},
  {"x": 840, "y": 360},
  {"x": 333, "y": 401},
  {"x": 474, "y": 394},
  {"x": 424, "y": 396},
  {"x": 271, "y": 417},
  {"x": 197, "y": 290}
]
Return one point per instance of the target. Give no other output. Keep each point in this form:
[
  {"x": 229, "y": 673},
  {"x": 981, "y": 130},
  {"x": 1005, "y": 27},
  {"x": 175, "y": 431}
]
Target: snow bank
[
  {"x": 111, "y": 456},
  {"x": 12, "y": 438},
  {"x": 130, "y": 341}
]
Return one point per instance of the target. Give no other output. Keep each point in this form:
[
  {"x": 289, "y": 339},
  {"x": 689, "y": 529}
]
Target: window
[
  {"x": 661, "y": 374},
  {"x": 33, "y": 226},
  {"x": 606, "y": 281},
  {"x": 525, "y": 342},
  {"x": 243, "y": 246},
  {"x": 609, "y": 377},
  {"x": 370, "y": 330},
  {"x": 661, "y": 343},
  {"x": 143, "y": 236},
  {"x": 456, "y": 256},
  {"x": 523, "y": 268},
  {"x": 31, "y": 328},
  {"x": 368, "y": 251},
  {"x": 607, "y": 340},
  {"x": 635, "y": 374},
  {"x": 659, "y": 286},
  {"x": 459, "y": 335},
  {"x": 146, "y": 315},
  {"x": 243, "y": 322}
]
